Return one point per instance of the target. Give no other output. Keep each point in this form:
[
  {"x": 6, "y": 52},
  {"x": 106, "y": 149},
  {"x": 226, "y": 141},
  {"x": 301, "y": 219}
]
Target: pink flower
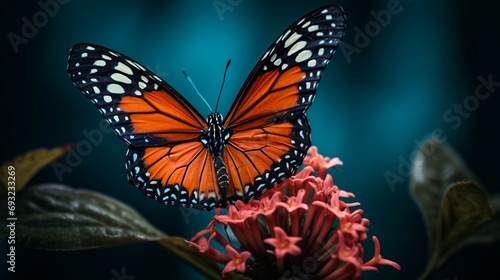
[
  {"x": 203, "y": 245},
  {"x": 377, "y": 258},
  {"x": 320, "y": 163},
  {"x": 301, "y": 228},
  {"x": 237, "y": 262},
  {"x": 283, "y": 244}
]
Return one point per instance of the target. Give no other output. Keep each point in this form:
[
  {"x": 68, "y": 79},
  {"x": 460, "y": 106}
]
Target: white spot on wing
[
  {"x": 273, "y": 57},
  {"x": 120, "y": 78},
  {"x": 312, "y": 28},
  {"x": 297, "y": 47},
  {"x": 136, "y": 65},
  {"x": 287, "y": 33},
  {"x": 107, "y": 98},
  {"x": 99, "y": 63},
  {"x": 303, "y": 55},
  {"x": 292, "y": 39},
  {"x": 265, "y": 55},
  {"x": 123, "y": 68},
  {"x": 115, "y": 88}
]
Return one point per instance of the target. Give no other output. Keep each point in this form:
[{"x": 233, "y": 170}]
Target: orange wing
[
  {"x": 181, "y": 175},
  {"x": 166, "y": 159},
  {"x": 142, "y": 109},
  {"x": 270, "y": 133},
  {"x": 258, "y": 159}
]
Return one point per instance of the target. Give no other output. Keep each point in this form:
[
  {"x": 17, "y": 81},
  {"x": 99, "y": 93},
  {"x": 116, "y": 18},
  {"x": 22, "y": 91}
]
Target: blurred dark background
[{"x": 383, "y": 94}]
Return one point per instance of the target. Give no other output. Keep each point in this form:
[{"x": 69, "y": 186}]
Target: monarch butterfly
[{"x": 178, "y": 157}]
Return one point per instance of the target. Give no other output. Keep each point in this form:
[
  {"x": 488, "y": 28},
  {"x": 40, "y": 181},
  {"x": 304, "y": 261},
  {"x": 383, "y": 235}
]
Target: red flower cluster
[{"x": 300, "y": 228}]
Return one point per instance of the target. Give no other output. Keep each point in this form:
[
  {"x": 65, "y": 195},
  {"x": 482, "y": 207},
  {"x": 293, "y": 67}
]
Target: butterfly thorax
[{"x": 215, "y": 136}]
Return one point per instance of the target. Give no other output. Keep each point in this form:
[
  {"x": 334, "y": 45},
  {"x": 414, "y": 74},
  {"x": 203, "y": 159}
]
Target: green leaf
[
  {"x": 435, "y": 167},
  {"x": 465, "y": 208},
  {"x": 455, "y": 210},
  {"x": 28, "y": 164},
  {"x": 57, "y": 217},
  {"x": 485, "y": 233}
]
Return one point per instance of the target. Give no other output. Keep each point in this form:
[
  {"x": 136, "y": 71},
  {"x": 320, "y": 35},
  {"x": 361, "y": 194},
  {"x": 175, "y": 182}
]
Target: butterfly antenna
[
  {"x": 191, "y": 81},
  {"x": 222, "y": 86}
]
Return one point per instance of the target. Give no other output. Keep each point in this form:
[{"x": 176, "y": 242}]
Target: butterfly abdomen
[{"x": 222, "y": 177}]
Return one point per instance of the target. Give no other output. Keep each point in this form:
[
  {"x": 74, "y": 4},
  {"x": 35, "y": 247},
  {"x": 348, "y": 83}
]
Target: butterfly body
[
  {"x": 176, "y": 156},
  {"x": 215, "y": 139}
]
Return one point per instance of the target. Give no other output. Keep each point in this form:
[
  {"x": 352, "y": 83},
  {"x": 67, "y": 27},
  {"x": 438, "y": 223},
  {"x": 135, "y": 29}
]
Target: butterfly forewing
[
  {"x": 142, "y": 109},
  {"x": 271, "y": 133},
  {"x": 286, "y": 77}
]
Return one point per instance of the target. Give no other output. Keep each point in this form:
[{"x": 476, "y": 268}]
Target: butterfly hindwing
[
  {"x": 181, "y": 174},
  {"x": 271, "y": 133},
  {"x": 258, "y": 159}
]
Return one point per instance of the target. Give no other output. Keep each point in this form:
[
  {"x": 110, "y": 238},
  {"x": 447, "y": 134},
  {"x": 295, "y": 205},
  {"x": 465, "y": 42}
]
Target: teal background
[{"x": 372, "y": 109}]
